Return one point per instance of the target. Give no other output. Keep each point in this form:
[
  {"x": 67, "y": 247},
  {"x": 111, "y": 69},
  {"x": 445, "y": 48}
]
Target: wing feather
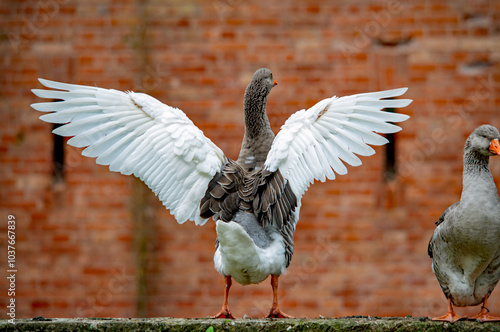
[
  {"x": 314, "y": 144},
  {"x": 136, "y": 134}
]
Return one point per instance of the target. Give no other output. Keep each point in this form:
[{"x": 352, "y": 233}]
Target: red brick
[
  {"x": 373, "y": 231},
  {"x": 39, "y": 304},
  {"x": 60, "y": 238},
  {"x": 96, "y": 270}
]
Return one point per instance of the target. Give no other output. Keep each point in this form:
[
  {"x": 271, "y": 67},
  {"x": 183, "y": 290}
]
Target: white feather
[
  {"x": 312, "y": 143},
  {"x": 136, "y": 134}
]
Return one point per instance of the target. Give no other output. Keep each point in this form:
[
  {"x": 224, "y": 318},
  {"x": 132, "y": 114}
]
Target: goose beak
[
  {"x": 275, "y": 83},
  {"x": 495, "y": 147}
]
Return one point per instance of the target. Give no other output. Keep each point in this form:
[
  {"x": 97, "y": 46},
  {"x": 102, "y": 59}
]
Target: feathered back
[{"x": 263, "y": 193}]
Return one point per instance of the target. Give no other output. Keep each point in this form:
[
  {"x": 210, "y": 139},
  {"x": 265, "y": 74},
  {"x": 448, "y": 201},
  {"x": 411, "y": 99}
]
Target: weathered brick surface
[{"x": 360, "y": 247}]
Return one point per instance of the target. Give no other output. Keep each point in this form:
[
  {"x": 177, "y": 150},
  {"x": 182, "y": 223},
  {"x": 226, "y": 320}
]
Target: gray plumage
[
  {"x": 260, "y": 235},
  {"x": 243, "y": 189},
  {"x": 258, "y": 136},
  {"x": 465, "y": 247}
]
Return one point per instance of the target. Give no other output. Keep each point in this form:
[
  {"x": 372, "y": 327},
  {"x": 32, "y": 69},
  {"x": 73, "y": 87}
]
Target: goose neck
[
  {"x": 256, "y": 120},
  {"x": 475, "y": 163}
]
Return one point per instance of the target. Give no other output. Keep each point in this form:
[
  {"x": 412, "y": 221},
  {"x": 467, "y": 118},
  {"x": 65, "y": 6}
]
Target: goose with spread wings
[{"x": 255, "y": 200}]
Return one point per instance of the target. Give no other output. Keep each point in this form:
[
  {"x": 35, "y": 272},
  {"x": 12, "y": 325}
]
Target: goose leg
[
  {"x": 483, "y": 316},
  {"x": 225, "y": 313},
  {"x": 450, "y": 316},
  {"x": 275, "y": 310}
]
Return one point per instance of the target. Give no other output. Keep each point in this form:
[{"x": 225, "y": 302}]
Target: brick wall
[{"x": 360, "y": 246}]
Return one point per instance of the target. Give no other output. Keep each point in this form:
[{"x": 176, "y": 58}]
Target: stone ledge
[{"x": 206, "y": 324}]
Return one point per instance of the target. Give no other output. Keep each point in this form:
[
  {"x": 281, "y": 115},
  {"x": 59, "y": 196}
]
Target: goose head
[
  {"x": 262, "y": 82},
  {"x": 484, "y": 141}
]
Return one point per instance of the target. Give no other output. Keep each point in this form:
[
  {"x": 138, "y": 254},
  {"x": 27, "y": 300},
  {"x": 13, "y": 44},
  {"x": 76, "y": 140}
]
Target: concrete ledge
[{"x": 205, "y": 324}]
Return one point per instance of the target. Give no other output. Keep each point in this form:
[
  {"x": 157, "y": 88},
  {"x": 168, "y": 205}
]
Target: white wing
[
  {"x": 312, "y": 143},
  {"x": 136, "y": 134}
]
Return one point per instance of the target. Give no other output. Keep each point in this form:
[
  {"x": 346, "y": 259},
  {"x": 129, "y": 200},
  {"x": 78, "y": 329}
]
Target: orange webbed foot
[
  {"x": 483, "y": 316},
  {"x": 277, "y": 313},
  {"x": 451, "y": 317},
  {"x": 224, "y": 314}
]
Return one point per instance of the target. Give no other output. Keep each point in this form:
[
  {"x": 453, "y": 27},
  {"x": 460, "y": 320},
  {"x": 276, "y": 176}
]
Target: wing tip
[
  {"x": 399, "y": 91},
  {"x": 402, "y": 117},
  {"x": 57, "y": 131},
  {"x": 59, "y": 85},
  {"x": 45, "y": 82},
  {"x": 391, "y": 93},
  {"x": 39, "y": 93},
  {"x": 34, "y": 105},
  {"x": 404, "y": 102},
  {"x": 44, "y": 118}
]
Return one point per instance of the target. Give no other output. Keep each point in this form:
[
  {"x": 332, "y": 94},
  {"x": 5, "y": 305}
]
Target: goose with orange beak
[{"x": 465, "y": 247}]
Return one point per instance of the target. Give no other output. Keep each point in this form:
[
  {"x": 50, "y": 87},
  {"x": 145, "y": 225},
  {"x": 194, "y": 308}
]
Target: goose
[
  {"x": 465, "y": 246},
  {"x": 254, "y": 200}
]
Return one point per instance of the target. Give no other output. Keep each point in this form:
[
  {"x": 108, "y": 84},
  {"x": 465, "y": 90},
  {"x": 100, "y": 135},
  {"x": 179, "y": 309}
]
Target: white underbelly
[{"x": 238, "y": 256}]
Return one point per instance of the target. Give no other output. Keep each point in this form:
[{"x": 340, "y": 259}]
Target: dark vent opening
[{"x": 58, "y": 157}]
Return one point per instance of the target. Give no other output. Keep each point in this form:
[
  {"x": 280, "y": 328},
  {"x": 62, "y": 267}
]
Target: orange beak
[
  {"x": 275, "y": 83},
  {"x": 495, "y": 147}
]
